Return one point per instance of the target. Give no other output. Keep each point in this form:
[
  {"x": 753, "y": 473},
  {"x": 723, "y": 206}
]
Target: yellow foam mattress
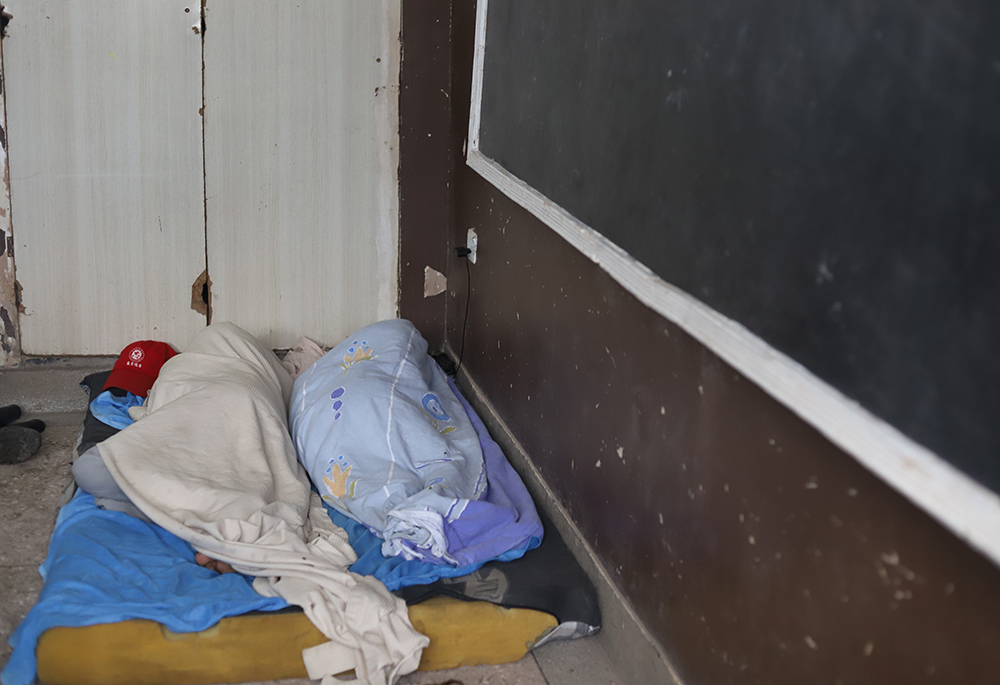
[{"x": 268, "y": 646}]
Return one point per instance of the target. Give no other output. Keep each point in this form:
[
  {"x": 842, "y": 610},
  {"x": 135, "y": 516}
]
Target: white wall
[{"x": 300, "y": 137}]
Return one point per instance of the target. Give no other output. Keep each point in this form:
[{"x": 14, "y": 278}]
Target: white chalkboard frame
[{"x": 960, "y": 503}]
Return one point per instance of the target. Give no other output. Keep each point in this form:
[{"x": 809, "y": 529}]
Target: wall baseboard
[{"x": 633, "y": 651}]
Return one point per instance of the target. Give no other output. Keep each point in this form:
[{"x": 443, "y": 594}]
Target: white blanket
[{"x": 210, "y": 460}]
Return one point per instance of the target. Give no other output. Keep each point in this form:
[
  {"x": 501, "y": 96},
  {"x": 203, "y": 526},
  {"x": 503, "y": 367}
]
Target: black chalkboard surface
[{"x": 826, "y": 173}]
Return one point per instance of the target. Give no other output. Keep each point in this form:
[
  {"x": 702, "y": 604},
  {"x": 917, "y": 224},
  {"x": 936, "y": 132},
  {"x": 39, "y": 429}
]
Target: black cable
[{"x": 465, "y": 324}]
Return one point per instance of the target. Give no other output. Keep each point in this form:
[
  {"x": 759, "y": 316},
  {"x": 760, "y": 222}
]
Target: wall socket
[{"x": 472, "y": 242}]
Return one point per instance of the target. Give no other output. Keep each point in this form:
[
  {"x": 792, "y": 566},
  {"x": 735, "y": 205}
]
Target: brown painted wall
[
  {"x": 753, "y": 549},
  {"x": 426, "y": 162}
]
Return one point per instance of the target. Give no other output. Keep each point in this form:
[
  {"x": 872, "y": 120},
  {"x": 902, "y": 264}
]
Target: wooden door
[
  {"x": 115, "y": 211},
  {"x": 106, "y": 173}
]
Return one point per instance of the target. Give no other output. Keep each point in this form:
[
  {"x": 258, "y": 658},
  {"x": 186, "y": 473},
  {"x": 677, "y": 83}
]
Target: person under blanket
[
  {"x": 134, "y": 373},
  {"x": 213, "y": 564},
  {"x": 210, "y": 460},
  {"x": 93, "y": 477},
  {"x": 389, "y": 444}
]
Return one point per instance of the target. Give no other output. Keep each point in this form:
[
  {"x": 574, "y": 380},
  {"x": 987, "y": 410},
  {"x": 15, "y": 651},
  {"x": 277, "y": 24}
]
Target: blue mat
[{"x": 105, "y": 566}]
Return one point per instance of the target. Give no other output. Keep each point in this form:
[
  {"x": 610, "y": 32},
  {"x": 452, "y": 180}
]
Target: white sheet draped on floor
[{"x": 210, "y": 459}]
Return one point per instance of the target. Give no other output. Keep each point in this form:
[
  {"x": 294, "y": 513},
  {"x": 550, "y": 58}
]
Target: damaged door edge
[
  {"x": 201, "y": 296},
  {"x": 202, "y": 287},
  {"x": 10, "y": 339},
  {"x": 387, "y": 234}
]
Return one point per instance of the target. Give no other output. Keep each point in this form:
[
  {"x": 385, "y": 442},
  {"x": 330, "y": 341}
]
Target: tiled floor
[{"x": 29, "y": 494}]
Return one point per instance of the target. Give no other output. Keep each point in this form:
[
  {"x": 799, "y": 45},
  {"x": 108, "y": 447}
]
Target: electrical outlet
[{"x": 472, "y": 242}]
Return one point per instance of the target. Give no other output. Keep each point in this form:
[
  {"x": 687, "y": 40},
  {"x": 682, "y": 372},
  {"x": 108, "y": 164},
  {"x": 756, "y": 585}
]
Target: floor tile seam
[
  {"x": 540, "y": 669},
  {"x": 10, "y": 567}
]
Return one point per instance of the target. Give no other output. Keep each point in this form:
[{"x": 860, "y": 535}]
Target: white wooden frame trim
[{"x": 967, "y": 508}]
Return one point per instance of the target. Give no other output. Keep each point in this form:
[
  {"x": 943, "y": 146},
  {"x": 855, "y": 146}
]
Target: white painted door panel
[
  {"x": 106, "y": 171},
  {"x": 301, "y": 126}
]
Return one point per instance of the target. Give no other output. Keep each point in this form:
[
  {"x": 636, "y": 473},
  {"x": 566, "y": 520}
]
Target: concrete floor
[{"x": 30, "y": 492}]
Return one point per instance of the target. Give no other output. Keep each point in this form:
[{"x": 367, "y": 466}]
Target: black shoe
[
  {"x": 18, "y": 444},
  {"x": 33, "y": 424},
  {"x": 9, "y": 414}
]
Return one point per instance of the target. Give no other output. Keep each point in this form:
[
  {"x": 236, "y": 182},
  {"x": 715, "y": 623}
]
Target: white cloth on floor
[
  {"x": 210, "y": 460},
  {"x": 301, "y": 357}
]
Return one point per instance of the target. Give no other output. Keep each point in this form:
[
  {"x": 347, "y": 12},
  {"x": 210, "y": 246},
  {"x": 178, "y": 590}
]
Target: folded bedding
[{"x": 389, "y": 444}]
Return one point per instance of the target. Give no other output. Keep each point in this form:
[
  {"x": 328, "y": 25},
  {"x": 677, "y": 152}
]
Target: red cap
[{"x": 138, "y": 366}]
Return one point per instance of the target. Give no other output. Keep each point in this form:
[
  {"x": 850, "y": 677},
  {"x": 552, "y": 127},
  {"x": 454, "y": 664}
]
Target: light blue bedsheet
[
  {"x": 113, "y": 410},
  {"x": 388, "y": 443},
  {"x": 507, "y": 540}
]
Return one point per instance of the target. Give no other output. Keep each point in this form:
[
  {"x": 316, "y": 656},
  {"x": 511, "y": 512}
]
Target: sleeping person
[
  {"x": 134, "y": 373},
  {"x": 209, "y": 458},
  {"x": 389, "y": 443},
  {"x": 127, "y": 385}
]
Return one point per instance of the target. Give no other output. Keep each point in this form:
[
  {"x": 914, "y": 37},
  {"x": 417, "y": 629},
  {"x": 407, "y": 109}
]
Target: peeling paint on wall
[
  {"x": 10, "y": 344},
  {"x": 9, "y": 331},
  {"x": 435, "y": 282},
  {"x": 5, "y": 18}
]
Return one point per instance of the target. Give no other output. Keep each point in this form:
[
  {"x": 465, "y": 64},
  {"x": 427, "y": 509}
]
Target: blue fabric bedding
[
  {"x": 388, "y": 443},
  {"x": 396, "y": 572},
  {"x": 505, "y": 540},
  {"x": 113, "y": 410},
  {"x": 105, "y": 566}
]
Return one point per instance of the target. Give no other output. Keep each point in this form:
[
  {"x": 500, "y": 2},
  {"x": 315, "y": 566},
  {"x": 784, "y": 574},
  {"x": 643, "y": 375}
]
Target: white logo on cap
[{"x": 136, "y": 354}]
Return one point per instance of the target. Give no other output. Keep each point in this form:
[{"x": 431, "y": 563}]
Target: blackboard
[{"x": 825, "y": 173}]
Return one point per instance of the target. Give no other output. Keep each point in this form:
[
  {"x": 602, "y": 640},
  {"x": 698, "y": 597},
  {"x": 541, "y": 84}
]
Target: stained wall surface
[
  {"x": 426, "y": 168},
  {"x": 106, "y": 173},
  {"x": 154, "y": 144},
  {"x": 753, "y": 549},
  {"x": 301, "y": 150},
  {"x": 825, "y": 174}
]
